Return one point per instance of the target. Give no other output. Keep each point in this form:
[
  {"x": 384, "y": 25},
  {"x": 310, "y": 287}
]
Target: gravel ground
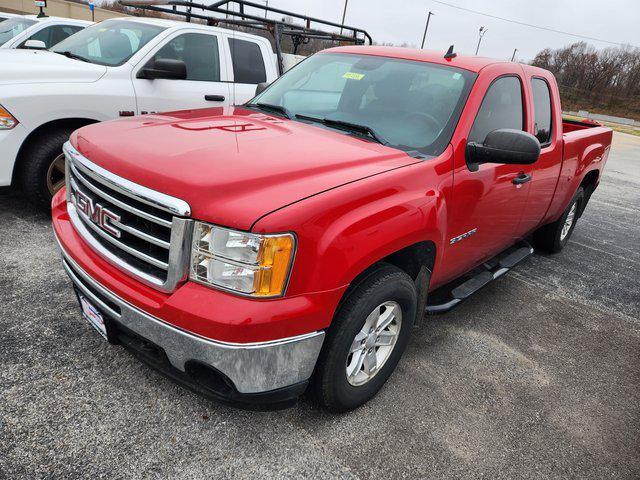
[{"x": 537, "y": 376}]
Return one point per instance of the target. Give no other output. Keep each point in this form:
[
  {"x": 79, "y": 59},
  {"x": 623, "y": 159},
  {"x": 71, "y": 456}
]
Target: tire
[
  {"x": 552, "y": 238},
  {"x": 389, "y": 290},
  {"x": 38, "y": 165}
]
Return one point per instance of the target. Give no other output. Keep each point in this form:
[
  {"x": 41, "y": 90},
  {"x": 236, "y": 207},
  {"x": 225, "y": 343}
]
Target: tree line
[{"x": 601, "y": 81}]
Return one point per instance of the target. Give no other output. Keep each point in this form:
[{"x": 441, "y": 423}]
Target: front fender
[{"x": 344, "y": 231}]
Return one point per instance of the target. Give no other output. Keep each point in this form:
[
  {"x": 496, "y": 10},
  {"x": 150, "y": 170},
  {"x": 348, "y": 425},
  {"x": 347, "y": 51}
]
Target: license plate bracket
[{"x": 94, "y": 316}]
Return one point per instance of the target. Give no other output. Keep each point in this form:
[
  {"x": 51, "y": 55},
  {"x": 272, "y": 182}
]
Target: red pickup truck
[{"x": 288, "y": 245}]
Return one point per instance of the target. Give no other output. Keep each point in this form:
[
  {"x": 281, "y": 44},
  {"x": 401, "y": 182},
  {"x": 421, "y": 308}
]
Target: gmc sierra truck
[{"x": 288, "y": 245}]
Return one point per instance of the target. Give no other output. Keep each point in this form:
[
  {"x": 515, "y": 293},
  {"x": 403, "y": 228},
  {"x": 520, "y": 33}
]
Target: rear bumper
[{"x": 249, "y": 373}]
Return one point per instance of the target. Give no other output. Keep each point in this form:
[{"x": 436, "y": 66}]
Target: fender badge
[{"x": 462, "y": 237}]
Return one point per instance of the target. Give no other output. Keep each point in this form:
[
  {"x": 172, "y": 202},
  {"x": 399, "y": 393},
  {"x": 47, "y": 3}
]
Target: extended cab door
[
  {"x": 206, "y": 84},
  {"x": 544, "y": 119},
  {"x": 250, "y": 62},
  {"x": 487, "y": 204}
]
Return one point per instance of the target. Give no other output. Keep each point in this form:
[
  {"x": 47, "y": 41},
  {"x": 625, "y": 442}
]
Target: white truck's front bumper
[{"x": 10, "y": 143}]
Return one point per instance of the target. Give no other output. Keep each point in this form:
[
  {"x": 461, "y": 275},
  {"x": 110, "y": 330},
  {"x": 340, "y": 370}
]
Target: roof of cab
[
  {"x": 466, "y": 62},
  {"x": 57, "y": 19}
]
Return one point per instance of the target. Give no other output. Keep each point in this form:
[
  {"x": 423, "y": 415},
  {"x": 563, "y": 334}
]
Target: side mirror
[
  {"x": 35, "y": 45},
  {"x": 261, "y": 87},
  {"x": 164, "y": 68},
  {"x": 503, "y": 146}
]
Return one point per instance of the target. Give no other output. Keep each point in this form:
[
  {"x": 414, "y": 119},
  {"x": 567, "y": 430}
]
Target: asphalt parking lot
[{"x": 536, "y": 376}]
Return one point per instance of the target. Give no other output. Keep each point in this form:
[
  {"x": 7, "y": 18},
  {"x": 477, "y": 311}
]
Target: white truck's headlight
[
  {"x": 7, "y": 121},
  {"x": 246, "y": 263}
]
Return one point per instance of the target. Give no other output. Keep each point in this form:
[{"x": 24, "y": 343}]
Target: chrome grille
[{"x": 146, "y": 233}]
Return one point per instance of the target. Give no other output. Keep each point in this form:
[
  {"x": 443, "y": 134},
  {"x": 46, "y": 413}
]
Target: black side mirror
[
  {"x": 261, "y": 87},
  {"x": 164, "y": 68},
  {"x": 503, "y": 146}
]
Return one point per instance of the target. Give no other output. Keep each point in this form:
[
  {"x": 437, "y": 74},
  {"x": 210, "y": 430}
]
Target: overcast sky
[{"x": 401, "y": 21}]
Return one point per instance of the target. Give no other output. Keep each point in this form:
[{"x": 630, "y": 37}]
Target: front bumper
[
  {"x": 249, "y": 372},
  {"x": 10, "y": 143}
]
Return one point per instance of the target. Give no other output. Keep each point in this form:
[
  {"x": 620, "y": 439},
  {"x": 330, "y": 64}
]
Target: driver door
[
  {"x": 488, "y": 203},
  {"x": 205, "y": 85}
]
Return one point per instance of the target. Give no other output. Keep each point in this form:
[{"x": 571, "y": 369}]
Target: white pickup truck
[
  {"x": 116, "y": 68},
  {"x": 17, "y": 31}
]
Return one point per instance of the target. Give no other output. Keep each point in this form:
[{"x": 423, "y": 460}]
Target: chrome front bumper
[{"x": 252, "y": 368}]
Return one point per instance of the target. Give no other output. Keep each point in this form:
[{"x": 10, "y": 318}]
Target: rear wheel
[
  {"x": 42, "y": 171},
  {"x": 552, "y": 238},
  {"x": 368, "y": 335}
]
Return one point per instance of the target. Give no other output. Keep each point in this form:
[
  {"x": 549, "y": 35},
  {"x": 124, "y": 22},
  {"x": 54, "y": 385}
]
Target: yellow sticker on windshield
[{"x": 353, "y": 76}]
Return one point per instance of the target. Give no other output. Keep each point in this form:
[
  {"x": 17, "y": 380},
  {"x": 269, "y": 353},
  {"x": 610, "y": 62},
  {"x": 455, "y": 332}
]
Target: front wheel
[
  {"x": 368, "y": 335},
  {"x": 42, "y": 172}
]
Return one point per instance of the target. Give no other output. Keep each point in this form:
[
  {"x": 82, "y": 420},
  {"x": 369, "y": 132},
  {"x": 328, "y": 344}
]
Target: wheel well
[
  {"x": 74, "y": 123},
  {"x": 416, "y": 260},
  {"x": 589, "y": 184}
]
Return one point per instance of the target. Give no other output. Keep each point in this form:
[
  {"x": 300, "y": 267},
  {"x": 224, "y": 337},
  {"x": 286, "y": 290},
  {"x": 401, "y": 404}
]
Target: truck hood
[
  {"x": 41, "y": 66},
  {"x": 233, "y": 165}
]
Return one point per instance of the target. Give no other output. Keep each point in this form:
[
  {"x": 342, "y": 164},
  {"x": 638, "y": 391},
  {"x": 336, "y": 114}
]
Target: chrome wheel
[
  {"x": 55, "y": 174},
  {"x": 568, "y": 223},
  {"x": 374, "y": 343}
]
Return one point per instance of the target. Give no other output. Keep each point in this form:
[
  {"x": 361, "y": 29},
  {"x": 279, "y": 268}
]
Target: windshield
[
  {"x": 12, "y": 27},
  {"x": 406, "y": 104},
  {"x": 109, "y": 43}
]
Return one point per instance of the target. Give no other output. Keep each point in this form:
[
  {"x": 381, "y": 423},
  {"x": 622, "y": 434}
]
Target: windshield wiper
[
  {"x": 73, "y": 56},
  {"x": 273, "y": 108},
  {"x": 353, "y": 127}
]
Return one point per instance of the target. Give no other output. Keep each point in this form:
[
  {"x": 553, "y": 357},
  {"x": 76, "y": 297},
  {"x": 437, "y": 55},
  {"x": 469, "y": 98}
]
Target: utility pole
[
  {"x": 481, "y": 34},
  {"x": 426, "y": 28},
  {"x": 344, "y": 14},
  {"x": 514, "y": 54}
]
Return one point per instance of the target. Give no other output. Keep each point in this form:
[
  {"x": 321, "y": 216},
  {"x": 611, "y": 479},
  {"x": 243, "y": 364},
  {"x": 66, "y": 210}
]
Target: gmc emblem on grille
[{"x": 97, "y": 213}]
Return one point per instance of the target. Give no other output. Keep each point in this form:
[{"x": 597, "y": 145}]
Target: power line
[{"x": 531, "y": 25}]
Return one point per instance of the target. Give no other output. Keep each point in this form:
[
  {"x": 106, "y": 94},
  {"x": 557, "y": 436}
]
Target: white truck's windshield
[
  {"x": 12, "y": 27},
  {"x": 406, "y": 104},
  {"x": 110, "y": 43}
]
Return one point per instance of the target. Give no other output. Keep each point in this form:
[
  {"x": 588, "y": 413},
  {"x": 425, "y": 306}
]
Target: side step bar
[{"x": 493, "y": 269}]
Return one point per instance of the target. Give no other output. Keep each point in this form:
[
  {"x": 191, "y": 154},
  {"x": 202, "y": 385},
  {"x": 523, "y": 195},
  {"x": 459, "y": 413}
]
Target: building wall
[{"x": 58, "y": 8}]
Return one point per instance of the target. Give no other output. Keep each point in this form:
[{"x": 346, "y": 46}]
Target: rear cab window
[
  {"x": 248, "y": 62},
  {"x": 543, "y": 125}
]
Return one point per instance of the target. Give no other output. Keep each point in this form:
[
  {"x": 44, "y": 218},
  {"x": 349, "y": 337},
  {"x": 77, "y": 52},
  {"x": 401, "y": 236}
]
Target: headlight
[
  {"x": 246, "y": 263},
  {"x": 7, "y": 121}
]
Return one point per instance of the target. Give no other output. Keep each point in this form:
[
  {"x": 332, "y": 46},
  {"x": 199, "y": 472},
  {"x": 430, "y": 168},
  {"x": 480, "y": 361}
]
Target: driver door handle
[
  {"x": 521, "y": 178},
  {"x": 214, "y": 98}
]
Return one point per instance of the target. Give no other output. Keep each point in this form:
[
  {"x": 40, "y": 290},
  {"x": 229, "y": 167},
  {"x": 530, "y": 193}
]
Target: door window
[
  {"x": 54, "y": 34},
  {"x": 501, "y": 108},
  {"x": 199, "y": 53},
  {"x": 248, "y": 64},
  {"x": 13, "y": 27},
  {"x": 542, "y": 110}
]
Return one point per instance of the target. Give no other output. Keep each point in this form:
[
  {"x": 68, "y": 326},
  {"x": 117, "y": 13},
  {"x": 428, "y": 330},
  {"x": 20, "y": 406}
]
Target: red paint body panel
[
  {"x": 223, "y": 161},
  {"x": 350, "y": 202},
  {"x": 191, "y": 307}
]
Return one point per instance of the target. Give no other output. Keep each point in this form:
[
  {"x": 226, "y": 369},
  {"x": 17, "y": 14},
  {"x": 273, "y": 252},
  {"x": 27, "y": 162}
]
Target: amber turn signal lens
[
  {"x": 7, "y": 121},
  {"x": 276, "y": 254}
]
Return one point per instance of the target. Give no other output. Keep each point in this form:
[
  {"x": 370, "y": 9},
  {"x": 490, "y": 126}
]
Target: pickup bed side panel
[
  {"x": 345, "y": 230},
  {"x": 584, "y": 151}
]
